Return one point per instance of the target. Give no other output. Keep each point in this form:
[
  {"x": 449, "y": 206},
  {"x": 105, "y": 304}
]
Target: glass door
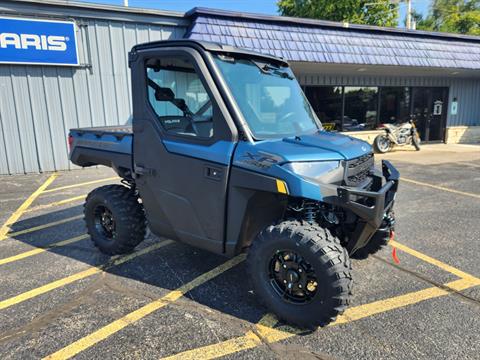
[{"x": 430, "y": 106}]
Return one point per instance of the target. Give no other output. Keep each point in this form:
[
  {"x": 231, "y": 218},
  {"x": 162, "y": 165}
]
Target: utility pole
[
  {"x": 409, "y": 14},
  {"x": 410, "y": 22}
]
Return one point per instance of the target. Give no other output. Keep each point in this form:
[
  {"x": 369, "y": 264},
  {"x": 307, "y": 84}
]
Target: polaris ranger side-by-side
[{"x": 225, "y": 153}]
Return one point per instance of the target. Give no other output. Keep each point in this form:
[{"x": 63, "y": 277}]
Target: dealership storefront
[
  {"x": 364, "y": 108},
  {"x": 64, "y": 64},
  {"x": 357, "y": 77}
]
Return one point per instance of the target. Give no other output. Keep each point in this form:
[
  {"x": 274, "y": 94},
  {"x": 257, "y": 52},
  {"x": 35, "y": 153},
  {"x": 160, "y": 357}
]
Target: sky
[{"x": 255, "y": 6}]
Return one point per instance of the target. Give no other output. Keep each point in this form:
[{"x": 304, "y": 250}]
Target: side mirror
[
  {"x": 164, "y": 94},
  {"x": 167, "y": 94}
]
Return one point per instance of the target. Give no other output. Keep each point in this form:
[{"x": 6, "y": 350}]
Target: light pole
[{"x": 125, "y": 2}]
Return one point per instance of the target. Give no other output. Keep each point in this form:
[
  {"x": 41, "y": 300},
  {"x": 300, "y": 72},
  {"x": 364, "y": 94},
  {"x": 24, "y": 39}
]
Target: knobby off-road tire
[
  {"x": 378, "y": 241},
  {"x": 329, "y": 260},
  {"x": 121, "y": 205}
]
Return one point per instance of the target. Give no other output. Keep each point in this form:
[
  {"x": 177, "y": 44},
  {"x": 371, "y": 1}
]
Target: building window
[
  {"x": 394, "y": 104},
  {"x": 361, "y": 108},
  {"x": 327, "y": 102}
]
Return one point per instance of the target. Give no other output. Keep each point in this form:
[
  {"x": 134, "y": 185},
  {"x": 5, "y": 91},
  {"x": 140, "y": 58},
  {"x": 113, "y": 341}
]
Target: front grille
[{"x": 358, "y": 169}]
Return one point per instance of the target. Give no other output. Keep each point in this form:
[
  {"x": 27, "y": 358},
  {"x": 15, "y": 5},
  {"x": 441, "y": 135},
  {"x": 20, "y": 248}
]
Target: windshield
[{"x": 269, "y": 97}]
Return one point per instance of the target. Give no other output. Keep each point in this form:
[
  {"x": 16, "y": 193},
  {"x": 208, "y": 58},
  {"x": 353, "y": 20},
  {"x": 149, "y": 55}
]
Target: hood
[
  {"x": 345, "y": 146},
  {"x": 322, "y": 146}
]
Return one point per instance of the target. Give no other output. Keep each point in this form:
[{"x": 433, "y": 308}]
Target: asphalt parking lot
[{"x": 61, "y": 298}]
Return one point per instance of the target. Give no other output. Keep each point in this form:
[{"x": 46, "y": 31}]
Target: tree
[
  {"x": 454, "y": 16},
  {"x": 370, "y": 12}
]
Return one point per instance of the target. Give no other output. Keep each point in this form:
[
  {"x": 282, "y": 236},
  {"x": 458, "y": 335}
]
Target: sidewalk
[{"x": 435, "y": 154}]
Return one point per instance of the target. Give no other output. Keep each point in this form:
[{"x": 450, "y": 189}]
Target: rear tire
[
  {"x": 382, "y": 144},
  {"x": 115, "y": 219},
  {"x": 416, "y": 141},
  {"x": 326, "y": 273}
]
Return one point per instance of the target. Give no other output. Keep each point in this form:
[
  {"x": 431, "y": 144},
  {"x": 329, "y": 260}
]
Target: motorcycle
[{"x": 397, "y": 135}]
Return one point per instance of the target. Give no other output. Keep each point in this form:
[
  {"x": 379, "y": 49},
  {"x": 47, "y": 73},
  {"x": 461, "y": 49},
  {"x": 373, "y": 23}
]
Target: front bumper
[
  {"x": 369, "y": 205},
  {"x": 372, "y": 205}
]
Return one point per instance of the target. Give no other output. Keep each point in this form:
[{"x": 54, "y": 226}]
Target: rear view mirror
[
  {"x": 164, "y": 94},
  {"x": 167, "y": 94}
]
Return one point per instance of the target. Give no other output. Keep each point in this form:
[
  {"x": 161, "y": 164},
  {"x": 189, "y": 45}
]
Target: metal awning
[{"x": 315, "y": 41}]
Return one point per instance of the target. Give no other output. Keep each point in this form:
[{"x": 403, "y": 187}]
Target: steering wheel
[{"x": 202, "y": 110}]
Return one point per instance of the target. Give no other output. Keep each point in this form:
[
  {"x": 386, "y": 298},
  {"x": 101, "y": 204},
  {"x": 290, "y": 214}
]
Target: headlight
[{"x": 312, "y": 170}]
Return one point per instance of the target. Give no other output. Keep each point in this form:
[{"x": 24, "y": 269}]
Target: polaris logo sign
[{"x": 41, "y": 42}]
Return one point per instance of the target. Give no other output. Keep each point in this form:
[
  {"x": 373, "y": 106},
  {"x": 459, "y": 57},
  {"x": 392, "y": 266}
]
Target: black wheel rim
[
  {"x": 105, "y": 222},
  {"x": 292, "y": 277}
]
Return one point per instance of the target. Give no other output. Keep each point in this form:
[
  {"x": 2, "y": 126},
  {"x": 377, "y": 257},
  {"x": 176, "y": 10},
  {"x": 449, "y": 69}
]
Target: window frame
[{"x": 223, "y": 126}]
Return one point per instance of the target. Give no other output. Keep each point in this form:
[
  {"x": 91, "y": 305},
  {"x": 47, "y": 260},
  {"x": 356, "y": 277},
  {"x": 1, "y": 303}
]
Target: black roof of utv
[{"x": 207, "y": 46}]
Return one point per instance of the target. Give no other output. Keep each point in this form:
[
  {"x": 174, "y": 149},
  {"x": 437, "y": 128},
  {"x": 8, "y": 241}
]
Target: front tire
[
  {"x": 382, "y": 144},
  {"x": 115, "y": 219},
  {"x": 301, "y": 272}
]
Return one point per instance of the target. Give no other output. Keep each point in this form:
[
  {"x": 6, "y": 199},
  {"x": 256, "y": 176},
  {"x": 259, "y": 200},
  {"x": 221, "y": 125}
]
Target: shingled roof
[{"x": 317, "y": 41}]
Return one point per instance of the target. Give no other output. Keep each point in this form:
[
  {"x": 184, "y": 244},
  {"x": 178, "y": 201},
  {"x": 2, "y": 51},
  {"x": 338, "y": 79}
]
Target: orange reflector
[{"x": 282, "y": 187}]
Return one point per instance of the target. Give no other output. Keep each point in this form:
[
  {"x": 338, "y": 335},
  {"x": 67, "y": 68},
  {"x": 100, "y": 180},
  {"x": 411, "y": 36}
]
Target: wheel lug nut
[
  {"x": 284, "y": 281},
  {"x": 300, "y": 286},
  {"x": 284, "y": 266}
]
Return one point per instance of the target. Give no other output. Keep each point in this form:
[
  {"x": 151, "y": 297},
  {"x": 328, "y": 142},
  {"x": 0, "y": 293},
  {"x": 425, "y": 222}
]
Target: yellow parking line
[
  {"x": 433, "y": 261},
  {"x": 40, "y": 227},
  {"x": 117, "y": 325},
  {"x": 56, "y": 203},
  {"x": 41, "y": 250},
  {"x": 477, "y": 196},
  {"x": 265, "y": 334},
  {"x": 80, "y": 184},
  {"x": 115, "y": 261},
  {"x": 16, "y": 215}
]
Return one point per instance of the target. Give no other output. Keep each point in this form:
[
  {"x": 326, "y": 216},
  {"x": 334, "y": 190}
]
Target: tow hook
[{"x": 390, "y": 222}]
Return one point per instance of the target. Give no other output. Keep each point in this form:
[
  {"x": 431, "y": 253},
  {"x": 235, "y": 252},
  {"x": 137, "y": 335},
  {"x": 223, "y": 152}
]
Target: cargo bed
[{"x": 106, "y": 145}]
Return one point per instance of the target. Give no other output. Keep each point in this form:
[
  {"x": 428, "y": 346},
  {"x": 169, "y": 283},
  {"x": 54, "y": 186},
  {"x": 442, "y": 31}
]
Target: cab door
[{"x": 183, "y": 143}]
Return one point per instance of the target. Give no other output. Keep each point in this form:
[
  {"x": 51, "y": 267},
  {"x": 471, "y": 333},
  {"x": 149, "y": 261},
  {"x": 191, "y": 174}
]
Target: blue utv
[{"x": 225, "y": 153}]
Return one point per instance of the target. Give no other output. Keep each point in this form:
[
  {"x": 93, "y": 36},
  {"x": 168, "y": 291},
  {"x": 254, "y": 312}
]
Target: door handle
[
  {"x": 142, "y": 170},
  {"x": 213, "y": 173}
]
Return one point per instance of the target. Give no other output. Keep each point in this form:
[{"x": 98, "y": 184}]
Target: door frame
[
  {"x": 225, "y": 132},
  {"x": 444, "y": 116}
]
